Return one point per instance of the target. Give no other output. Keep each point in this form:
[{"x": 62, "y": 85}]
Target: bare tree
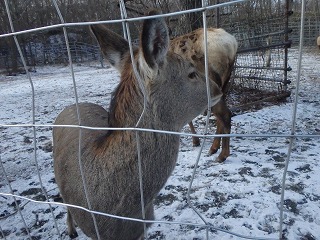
[{"x": 194, "y": 18}]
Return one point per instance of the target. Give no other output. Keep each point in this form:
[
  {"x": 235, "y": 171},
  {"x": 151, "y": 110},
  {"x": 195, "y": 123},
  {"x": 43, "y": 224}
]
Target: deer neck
[{"x": 127, "y": 105}]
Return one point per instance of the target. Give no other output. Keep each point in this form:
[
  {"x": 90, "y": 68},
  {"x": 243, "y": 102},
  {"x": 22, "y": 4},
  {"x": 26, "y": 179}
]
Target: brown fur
[
  {"x": 109, "y": 159},
  {"x": 222, "y": 48}
]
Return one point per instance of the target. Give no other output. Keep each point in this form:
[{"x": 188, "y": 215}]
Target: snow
[{"x": 241, "y": 195}]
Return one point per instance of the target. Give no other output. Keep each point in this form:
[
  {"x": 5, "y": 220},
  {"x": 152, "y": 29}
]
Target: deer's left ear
[
  {"x": 113, "y": 46},
  {"x": 154, "y": 40}
]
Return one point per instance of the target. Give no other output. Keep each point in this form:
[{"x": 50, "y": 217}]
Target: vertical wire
[
  {"x": 205, "y": 42},
  {"x": 139, "y": 79},
  {"x": 134, "y": 67},
  {"x": 2, "y": 233},
  {"x": 294, "y": 118},
  {"x": 123, "y": 16},
  {"x": 33, "y": 117},
  {"x": 204, "y": 19},
  {"x": 15, "y": 200},
  {"x": 79, "y": 119},
  {"x": 138, "y": 143}
]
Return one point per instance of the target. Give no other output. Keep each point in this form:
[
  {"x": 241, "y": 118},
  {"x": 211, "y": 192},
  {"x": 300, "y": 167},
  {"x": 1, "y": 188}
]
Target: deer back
[{"x": 222, "y": 48}]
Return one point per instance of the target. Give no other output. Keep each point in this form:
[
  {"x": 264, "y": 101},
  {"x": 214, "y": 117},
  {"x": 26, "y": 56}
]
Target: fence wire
[{"x": 293, "y": 135}]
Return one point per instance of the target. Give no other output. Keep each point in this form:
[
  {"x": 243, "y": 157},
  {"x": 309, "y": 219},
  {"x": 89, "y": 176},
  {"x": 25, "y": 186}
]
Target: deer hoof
[
  {"x": 195, "y": 141},
  {"x": 212, "y": 151},
  {"x": 73, "y": 235},
  {"x": 220, "y": 159}
]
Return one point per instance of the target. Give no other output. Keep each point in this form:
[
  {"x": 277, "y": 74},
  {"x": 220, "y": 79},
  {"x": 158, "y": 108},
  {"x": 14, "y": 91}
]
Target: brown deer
[
  {"x": 175, "y": 94},
  {"x": 222, "y": 49}
]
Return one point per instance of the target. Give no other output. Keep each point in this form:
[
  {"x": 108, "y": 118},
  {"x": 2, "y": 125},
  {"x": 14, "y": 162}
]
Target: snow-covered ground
[{"x": 241, "y": 195}]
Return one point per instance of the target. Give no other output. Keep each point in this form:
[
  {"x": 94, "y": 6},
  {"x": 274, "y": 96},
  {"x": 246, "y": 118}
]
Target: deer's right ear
[{"x": 113, "y": 46}]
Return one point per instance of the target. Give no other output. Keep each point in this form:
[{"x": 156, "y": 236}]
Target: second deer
[{"x": 222, "y": 49}]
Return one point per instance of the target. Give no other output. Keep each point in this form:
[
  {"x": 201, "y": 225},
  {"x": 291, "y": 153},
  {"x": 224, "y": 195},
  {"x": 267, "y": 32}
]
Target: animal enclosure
[
  {"x": 264, "y": 40},
  {"x": 263, "y": 46},
  {"x": 267, "y": 189}
]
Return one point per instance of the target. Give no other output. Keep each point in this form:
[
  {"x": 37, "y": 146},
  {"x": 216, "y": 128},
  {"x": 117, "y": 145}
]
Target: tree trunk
[
  {"x": 195, "y": 18},
  {"x": 12, "y": 57}
]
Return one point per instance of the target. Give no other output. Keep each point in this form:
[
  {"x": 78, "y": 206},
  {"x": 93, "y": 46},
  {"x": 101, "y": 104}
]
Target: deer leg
[
  {"x": 217, "y": 140},
  {"x": 71, "y": 227},
  {"x": 225, "y": 152},
  {"x": 195, "y": 140},
  {"x": 141, "y": 237},
  {"x": 223, "y": 115},
  {"x": 149, "y": 216}
]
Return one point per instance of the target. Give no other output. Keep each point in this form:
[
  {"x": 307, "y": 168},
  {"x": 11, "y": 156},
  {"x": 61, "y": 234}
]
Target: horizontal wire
[
  {"x": 134, "y": 19},
  {"x": 134, "y": 219},
  {"x": 232, "y": 135}
]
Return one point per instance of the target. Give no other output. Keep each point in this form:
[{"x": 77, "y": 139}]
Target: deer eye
[{"x": 192, "y": 75}]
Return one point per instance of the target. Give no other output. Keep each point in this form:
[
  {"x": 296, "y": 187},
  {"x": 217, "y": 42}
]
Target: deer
[
  {"x": 174, "y": 93},
  {"x": 221, "y": 49}
]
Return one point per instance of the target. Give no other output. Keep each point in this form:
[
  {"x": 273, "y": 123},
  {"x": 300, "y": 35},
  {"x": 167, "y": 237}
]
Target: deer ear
[
  {"x": 113, "y": 46},
  {"x": 154, "y": 40}
]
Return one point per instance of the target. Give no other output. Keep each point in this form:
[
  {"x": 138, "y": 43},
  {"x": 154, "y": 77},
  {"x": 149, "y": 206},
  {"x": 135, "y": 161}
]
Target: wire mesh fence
[
  {"x": 28, "y": 188},
  {"x": 53, "y": 53},
  {"x": 311, "y": 30}
]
